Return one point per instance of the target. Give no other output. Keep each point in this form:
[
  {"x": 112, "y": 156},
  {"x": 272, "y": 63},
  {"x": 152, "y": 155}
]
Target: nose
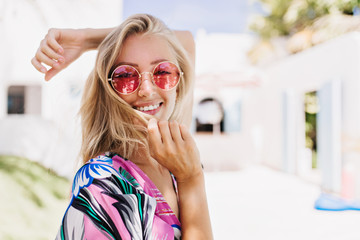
[{"x": 147, "y": 87}]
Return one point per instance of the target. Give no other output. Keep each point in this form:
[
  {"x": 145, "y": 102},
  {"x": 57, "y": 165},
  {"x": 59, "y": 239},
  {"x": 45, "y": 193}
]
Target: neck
[{"x": 145, "y": 162}]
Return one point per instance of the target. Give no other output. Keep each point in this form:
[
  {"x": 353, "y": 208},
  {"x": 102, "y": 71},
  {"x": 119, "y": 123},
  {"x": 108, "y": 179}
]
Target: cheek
[{"x": 127, "y": 98}]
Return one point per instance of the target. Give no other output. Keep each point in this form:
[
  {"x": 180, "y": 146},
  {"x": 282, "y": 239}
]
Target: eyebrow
[{"x": 136, "y": 65}]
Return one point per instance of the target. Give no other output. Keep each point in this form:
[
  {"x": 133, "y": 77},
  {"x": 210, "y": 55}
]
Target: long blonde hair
[{"x": 108, "y": 122}]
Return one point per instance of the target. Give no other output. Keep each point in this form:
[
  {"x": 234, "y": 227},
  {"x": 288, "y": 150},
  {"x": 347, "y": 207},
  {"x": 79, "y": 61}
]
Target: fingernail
[
  {"x": 60, "y": 50},
  {"x": 61, "y": 59},
  {"x": 55, "y": 65}
]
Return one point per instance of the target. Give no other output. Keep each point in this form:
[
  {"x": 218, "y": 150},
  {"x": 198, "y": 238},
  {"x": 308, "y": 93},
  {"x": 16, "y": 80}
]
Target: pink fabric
[
  {"x": 163, "y": 210},
  {"x": 107, "y": 203},
  {"x": 113, "y": 198}
]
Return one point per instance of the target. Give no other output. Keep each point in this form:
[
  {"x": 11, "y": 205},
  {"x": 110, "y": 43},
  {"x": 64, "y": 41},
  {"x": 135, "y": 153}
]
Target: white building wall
[
  {"x": 311, "y": 70},
  {"x": 264, "y": 136},
  {"x": 52, "y": 138},
  {"x": 223, "y": 73},
  {"x": 33, "y": 100}
]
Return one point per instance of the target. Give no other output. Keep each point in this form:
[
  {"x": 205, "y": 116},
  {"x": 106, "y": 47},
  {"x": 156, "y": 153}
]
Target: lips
[{"x": 149, "y": 109}]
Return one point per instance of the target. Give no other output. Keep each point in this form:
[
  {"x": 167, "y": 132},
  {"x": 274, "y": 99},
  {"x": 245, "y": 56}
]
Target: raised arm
[{"x": 61, "y": 47}]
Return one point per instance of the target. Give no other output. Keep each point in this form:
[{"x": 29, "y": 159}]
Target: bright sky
[{"x": 229, "y": 16}]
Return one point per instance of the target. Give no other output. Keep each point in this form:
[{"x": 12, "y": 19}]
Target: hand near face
[{"x": 172, "y": 145}]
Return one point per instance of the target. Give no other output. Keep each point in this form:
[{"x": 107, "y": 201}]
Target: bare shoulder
[{"x": 187, "y": 40}]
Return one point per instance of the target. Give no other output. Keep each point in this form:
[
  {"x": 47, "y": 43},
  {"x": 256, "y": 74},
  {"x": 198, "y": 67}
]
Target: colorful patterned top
[{"x": 113, "y": 199}]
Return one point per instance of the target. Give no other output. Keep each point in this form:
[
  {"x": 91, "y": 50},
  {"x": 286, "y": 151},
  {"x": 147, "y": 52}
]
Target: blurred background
[{"x": 276, "y": 113}]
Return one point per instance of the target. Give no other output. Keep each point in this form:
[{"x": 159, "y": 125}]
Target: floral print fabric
[{"x": 113, "y": 199}]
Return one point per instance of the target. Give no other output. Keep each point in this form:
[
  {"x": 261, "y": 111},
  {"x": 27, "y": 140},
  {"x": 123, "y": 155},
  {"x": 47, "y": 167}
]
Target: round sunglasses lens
[
  {"x": 125, "y": 79},
  {"x": 166, "y": 75}
]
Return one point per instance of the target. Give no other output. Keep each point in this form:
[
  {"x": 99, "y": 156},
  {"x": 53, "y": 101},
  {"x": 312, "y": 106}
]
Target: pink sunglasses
[{"x": 126, "y": 79}]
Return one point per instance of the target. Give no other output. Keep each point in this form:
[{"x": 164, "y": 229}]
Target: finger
[
  {"x": 185, "y": 133},
  {"x": 175, "y": 132},
  {"x": 53, "y": 35},
  {"x": 51, "y": 73},
  {"x": 51, "y": 54},
  {"x": 38, "y": 65},
  {"x": 154, "y": 134},
  {"x": 165, "y": 132},
  {"x": 42, "y": 58}
]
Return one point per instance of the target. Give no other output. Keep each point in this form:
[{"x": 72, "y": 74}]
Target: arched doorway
[{"x": 209, "y": 116}]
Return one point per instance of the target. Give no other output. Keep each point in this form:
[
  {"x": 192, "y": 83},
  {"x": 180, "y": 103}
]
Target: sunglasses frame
[{"x": 140, "y": 77}]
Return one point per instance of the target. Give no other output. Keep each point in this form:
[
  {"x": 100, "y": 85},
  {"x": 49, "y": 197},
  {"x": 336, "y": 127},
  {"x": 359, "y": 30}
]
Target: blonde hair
[{"x": 108, "y": 122}]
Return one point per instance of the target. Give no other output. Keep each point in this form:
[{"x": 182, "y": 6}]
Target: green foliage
[
  {"x": 311, "y": 109},
  {"x": 287, "y": 17},
  {"x": 348, "y": 6},
  {"x": 28, "y": 174},
  {"x": 33, "y": 199},
  {"x": 273, "y": 24}
]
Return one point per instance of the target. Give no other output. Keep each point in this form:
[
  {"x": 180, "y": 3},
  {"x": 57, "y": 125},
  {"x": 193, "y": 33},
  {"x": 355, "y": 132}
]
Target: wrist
[
  {"x": 93, "y": 37},
  {"x": 194, "y": 179},
  {"x": 194, "y": 211}
]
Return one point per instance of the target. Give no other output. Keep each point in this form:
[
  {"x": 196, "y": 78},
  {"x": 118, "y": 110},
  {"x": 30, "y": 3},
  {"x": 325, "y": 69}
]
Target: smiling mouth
[{"x": 149, "y": 108}]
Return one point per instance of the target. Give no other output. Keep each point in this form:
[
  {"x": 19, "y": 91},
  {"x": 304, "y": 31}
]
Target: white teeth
[{"x": 148, "y": 108}]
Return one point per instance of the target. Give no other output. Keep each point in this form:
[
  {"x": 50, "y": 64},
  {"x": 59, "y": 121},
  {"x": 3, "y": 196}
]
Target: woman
[{"x": 133, "y": 108}]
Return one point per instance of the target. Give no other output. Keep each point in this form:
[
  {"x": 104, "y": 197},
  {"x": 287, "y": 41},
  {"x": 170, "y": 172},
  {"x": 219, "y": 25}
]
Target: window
[
  {"x": 16, "y": 100},
  {"x": 24, "y": 100}
]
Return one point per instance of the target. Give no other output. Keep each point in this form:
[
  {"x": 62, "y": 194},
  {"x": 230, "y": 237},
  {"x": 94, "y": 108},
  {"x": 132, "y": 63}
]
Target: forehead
[{"x": 142, "y": 49}]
